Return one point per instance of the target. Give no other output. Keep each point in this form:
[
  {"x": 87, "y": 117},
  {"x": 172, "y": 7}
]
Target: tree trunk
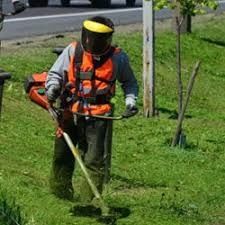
[
  {"x": 179, "y": 22},
  {"x": 178, "y": 131},
  {"x": 186, "y": 26}
]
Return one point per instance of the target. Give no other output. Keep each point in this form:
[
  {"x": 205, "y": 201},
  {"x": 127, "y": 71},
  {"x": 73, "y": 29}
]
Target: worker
[{"x": 87, "y": 72}]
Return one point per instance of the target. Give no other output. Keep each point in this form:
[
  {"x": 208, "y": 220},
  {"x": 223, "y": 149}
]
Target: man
[{"x": 87, "y": 73}]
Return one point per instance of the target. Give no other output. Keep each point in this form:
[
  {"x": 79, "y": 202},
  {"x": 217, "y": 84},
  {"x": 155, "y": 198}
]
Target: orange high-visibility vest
[{"x": 93, "y": 85}]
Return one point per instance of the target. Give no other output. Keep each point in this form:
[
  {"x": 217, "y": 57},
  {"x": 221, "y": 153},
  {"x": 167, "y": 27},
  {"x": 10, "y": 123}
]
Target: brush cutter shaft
[{"x": 76, "y": 154}]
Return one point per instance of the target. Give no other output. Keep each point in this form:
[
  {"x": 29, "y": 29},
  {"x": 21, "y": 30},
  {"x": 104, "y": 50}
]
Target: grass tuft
[{"x": 10, "y": 213}]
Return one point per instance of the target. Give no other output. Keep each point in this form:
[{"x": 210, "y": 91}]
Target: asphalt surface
[{"x": 57, "y": 19}]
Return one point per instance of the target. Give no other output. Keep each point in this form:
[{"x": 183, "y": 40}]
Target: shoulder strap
[{"x": 78, "y": 56}]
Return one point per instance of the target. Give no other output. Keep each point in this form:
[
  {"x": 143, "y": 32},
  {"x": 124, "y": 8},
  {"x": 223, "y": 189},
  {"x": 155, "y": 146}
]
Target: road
[{"x": 57, "y": 19}]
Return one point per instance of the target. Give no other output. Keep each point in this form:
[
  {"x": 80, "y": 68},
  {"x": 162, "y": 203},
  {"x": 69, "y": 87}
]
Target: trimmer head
[{"x": 106, "y": 217}]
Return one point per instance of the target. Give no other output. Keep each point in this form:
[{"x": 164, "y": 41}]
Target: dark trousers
[{"x": 90, "y": 136}]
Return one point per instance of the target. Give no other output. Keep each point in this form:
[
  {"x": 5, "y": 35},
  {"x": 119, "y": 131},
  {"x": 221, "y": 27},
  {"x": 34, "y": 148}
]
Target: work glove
[
  {"x": 53, "y": 93},
  {"x": 18, "y": 6},
  {"x": 131, "y": 110}
]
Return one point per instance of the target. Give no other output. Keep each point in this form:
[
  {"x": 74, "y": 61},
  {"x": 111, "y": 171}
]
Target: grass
[
  {"x": 155, "y": 183},
  {"x": 9, "y": 212}
]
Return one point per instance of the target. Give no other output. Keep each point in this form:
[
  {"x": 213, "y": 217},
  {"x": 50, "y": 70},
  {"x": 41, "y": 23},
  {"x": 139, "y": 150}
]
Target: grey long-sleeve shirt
[{"x": 124, "y": 73}]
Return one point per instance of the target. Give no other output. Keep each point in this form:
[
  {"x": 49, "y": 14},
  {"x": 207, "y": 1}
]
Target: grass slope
[{"x": 158, "y": 184}]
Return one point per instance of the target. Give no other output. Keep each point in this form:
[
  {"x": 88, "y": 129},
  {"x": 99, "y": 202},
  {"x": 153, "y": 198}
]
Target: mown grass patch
[{"x": 158, "y": 184}]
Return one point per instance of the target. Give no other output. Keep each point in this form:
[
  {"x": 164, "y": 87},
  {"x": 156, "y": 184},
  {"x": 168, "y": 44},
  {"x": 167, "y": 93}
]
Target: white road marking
[
  {"x": 73, "y": 15},
  {"x": 77, "y": 1}
]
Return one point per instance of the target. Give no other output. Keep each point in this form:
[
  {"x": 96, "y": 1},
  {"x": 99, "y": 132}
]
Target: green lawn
[{"x": 158, "y": 184}]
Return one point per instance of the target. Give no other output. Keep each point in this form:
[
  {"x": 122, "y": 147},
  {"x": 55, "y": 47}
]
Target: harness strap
[
  {"x": 78, "y": 55},
  {"x": 78, "y": 62},
  {"x": 96, "y": 64},
  {"x": 102, "y": 60},
  {"x": 78, "y": 59}
]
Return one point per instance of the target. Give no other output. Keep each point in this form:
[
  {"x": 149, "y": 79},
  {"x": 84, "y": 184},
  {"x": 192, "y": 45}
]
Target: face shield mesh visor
[{"x": 95, "y": 43}]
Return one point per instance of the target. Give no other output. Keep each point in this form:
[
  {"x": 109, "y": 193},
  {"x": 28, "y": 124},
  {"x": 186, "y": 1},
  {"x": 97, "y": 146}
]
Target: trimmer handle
[{"x": 100, "y": 116}]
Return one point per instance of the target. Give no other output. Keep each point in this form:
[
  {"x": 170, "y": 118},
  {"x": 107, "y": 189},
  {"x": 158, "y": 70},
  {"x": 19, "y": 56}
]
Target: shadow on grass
[
  {"x": 215, "y": 42},
  {"x": 128, "y": 183},
  {"x": 216, "y": 142},
  {"x": 173, "y": 113},
  {"x": 95, "y": 212}
]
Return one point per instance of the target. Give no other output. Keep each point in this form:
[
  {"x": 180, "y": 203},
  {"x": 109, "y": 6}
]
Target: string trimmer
[
  {"x": 35, "y": 87},
  {"x": 76, "y": 154}
]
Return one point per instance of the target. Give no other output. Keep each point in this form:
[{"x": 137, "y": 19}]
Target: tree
[
  {"x": 191, "y": 7},
  {"x": 185, "y": 9}
]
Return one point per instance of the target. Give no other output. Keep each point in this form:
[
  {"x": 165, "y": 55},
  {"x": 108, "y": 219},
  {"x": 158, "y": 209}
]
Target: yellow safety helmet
[{"x": 96, "y": 35}]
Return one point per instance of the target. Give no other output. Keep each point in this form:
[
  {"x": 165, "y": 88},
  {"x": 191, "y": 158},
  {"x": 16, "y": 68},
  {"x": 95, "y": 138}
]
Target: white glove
[{"x": 131, "y": 108}]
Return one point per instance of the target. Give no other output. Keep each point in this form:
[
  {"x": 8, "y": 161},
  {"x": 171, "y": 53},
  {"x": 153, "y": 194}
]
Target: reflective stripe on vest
[{"x": 92, "y": 82}]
